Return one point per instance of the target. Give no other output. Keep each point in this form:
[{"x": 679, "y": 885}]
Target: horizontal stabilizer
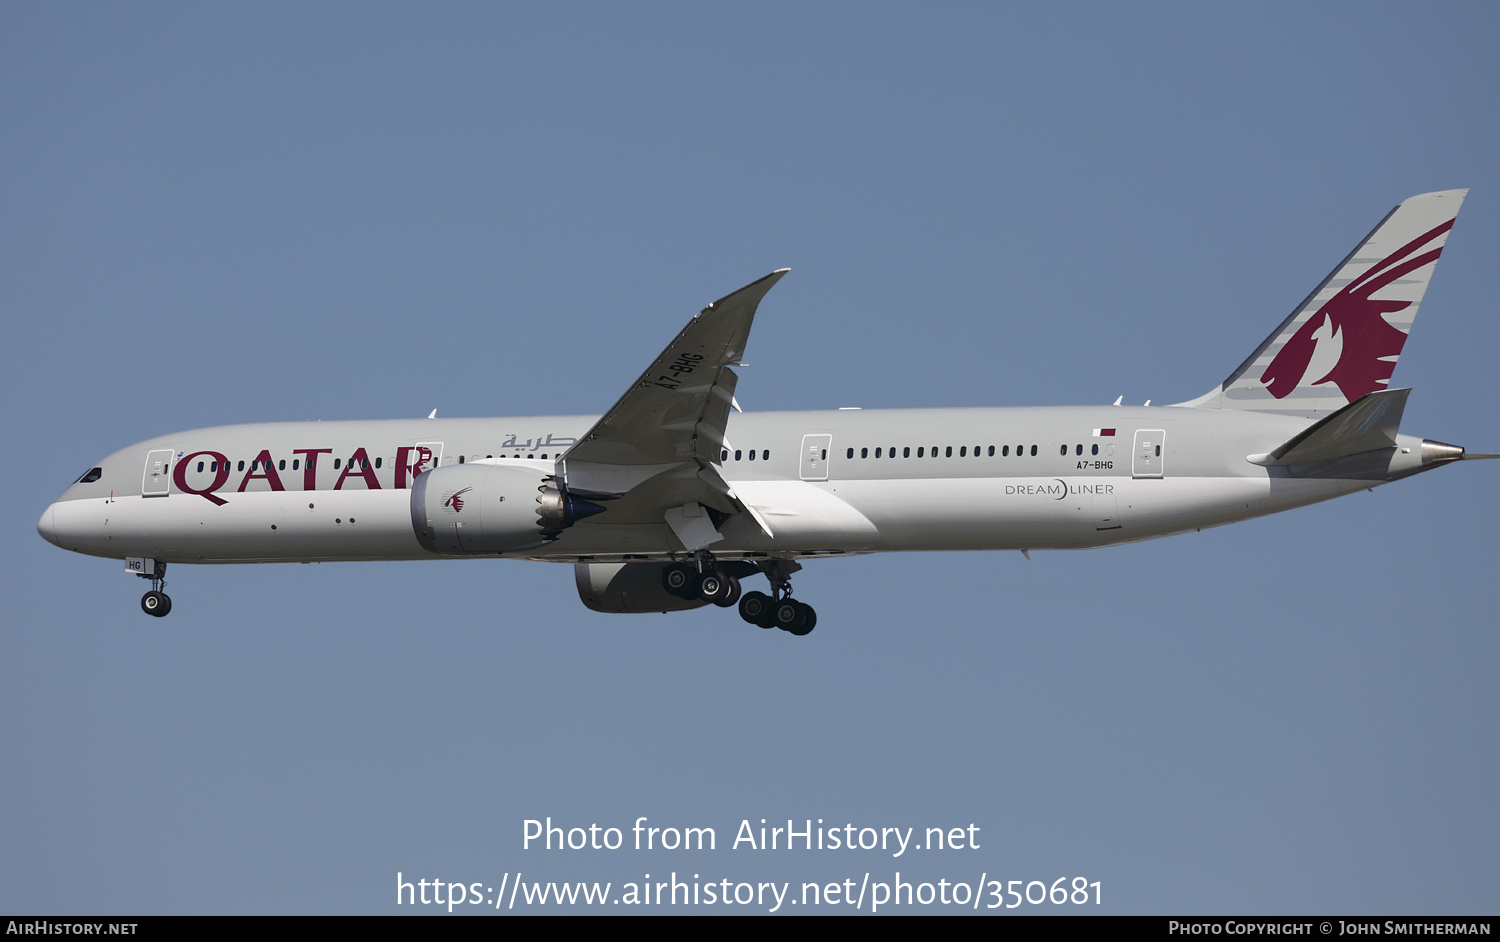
[{"x": 1370, "y": 423}]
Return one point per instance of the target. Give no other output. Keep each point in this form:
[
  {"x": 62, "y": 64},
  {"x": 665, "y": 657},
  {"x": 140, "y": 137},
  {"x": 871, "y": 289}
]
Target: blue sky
[{"x": 336, "y": 211}]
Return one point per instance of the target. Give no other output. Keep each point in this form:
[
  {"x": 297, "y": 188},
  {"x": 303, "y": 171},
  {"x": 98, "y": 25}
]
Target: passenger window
[
  {"x": 1033, "y": 451},
  {"x": 336, "y": 463},
  {"x": 460, "y": 461},
  {"x": 737, "y": 454},
  {"x": 1096, "y": 449},
  {"x": 864, "y": 452},
  {"x": 963, "y": 452},
  {"x": 877, "y": 452},
  {"x": 1079, "y": 451},
  {"x": 296, "y": 463},
  {"x": 1064, "y": 450},
  {"x": 725, "y": 455},
  {"x": 93, "y": 475},
  {"x": 765, "y": 454},
  {"x": 282, "y": 464},
  {"x": 377, "y": 461},
  {"x": 906, "y": 452},
  {"x": 850, "y": 454},
  {"x": 1005, "y": 451},
  {"x": 948, "y": 452},
  {"x": 752, "y": 454},
  {"x": 992, "y": 451}
]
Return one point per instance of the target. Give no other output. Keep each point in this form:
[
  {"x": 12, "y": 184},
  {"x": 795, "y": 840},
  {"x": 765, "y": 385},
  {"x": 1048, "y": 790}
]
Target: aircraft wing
[{"x": 669, "y": 426}]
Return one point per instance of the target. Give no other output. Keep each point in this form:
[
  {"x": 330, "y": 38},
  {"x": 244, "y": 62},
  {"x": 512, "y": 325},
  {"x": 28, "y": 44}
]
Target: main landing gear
[
  {"x": 711, "y": 584},
  {"x": 156, "y": 602},
  {"x": 720, "y": 584}
]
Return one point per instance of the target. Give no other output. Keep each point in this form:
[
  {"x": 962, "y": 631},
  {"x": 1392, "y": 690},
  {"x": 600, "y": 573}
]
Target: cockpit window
[{"x": 93, "y": 475}]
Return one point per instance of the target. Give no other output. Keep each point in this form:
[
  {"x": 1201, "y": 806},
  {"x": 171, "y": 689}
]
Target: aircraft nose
[{"x": 46, "y": 527}]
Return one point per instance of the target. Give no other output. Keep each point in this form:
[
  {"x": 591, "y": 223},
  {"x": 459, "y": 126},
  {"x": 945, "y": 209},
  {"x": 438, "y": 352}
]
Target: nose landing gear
[{"x": 156, "y": 602}]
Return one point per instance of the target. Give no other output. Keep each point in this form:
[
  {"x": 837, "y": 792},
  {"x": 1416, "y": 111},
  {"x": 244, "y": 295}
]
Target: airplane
[{"x": 673, "y": 496}]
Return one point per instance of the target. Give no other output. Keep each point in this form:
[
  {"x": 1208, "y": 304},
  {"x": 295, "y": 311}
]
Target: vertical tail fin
[{"x": 1343, "y": 340}]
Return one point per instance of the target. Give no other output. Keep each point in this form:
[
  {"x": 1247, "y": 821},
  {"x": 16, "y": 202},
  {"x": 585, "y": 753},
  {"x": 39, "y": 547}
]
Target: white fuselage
[{"x": 823, "y": 483}]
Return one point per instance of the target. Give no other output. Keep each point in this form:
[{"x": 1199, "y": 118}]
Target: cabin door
[
  {"x": 157, "y": 479},
  {"x": 815, "y": 457},
  {"x": 1150, "y": 454}
]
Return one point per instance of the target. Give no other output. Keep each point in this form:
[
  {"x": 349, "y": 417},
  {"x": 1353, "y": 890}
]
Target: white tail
[{"x": 1343, "y": 340}]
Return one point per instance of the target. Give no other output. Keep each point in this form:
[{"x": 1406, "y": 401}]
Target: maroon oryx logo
[
  {"x": 456, "y": 499},
  {"x": 1350, "y": 326}
]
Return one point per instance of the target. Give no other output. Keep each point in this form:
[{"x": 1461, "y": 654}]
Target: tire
[
  {"x": 713, "y": 586},
  {"x": 156, "y": 603},
  {"x": 755, "y": 608},
  {"x": 733, "y": 596},
  {"x": 789, "y": 615},
  {"x": 809, "y": 622},
  {"x": 679, "y": 580}
]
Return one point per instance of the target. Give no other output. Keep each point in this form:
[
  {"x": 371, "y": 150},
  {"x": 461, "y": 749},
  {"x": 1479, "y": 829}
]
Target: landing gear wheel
[
  {"x": 732, "y": 596},
  {"x": 809, "y": 621},
  {"x": 156, "y": 603},
  {"x": 755, "y": 607},
  {"x": 679, "y": 580},
  {"x": 713, "y": 586},
  {"x": 789, "y": 615}
]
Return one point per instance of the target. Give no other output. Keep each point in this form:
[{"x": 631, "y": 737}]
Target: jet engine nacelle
[
  {"x": 480, "y": 509},
  {"x": 627, "y": 587}
]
